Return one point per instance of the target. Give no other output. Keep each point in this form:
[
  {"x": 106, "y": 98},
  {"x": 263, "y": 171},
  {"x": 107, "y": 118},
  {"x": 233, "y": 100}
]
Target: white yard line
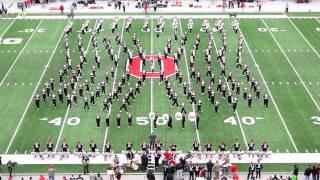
[
  {"x": 274, "y": 102},
  {"x": 151, "y": 84},
  {"x": 294, "y": 69},
  {"x": 75, "y": 87},
  {"x": 8, "y": 27},
  {"x": 315, "y": 51},
  {"x": 33, "y": 94},
  {"x": 236, "y": 112},
  {"x": 189, "y": 81},
  {"x": 317, "y": 19},
  {"x": 14, "y": 62},
  {"x": 114, "y": 82}
]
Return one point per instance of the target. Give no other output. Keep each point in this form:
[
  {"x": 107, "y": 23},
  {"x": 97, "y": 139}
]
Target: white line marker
[
  {"x": 186, "y": 63},
  {"x": 289, "y": 61},
  {"x": 275, "y": 104},
  {"x": 287, "y": 150},
  {"x": 151, "y": 89},
  {"x": 18, "y": 57},
  {"x": 307, "y": 151},
  {"x": 278, "y": 151},
  {"x": 236, "y": 112},
  {"x": 68, "y": 108},
  {"x": 113, "y": 86},
  {"x": 33, "y": 94}
]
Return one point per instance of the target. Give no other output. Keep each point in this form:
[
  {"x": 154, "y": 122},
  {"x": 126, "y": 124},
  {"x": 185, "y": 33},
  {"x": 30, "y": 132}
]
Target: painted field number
[
  {"x": 72, "y": 121},
  {"x": 274, "y": 29},
  {"x": 10, "y": 41},
  {"x": 247, "y": 120},
  {"x": 30, "y": 30},
  {"x": 315, "y": 120}
]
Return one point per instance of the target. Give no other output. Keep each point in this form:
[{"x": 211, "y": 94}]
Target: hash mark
[
  {"x": 287, "y": 150},
  {"x": 307, "y": 151}
]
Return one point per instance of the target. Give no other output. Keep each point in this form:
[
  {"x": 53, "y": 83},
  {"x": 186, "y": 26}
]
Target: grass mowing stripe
[
  {"x": 315, "y": 51},
  {"x": 14, "y": 62},
  {"x": 75, "y": 86},
  {"x": 188, "y": 75},
  {"x": 294, "y": 69},
  {"x": 275, "y": 104},
  {"x": 8, "y": 27},
  {"x": 34, "y": 92},
  {"x": 113, "y": 84},
  {"x": 236, "y": 111}
]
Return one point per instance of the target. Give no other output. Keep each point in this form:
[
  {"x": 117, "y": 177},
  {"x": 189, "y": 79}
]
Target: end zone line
[
  {"x": 189, "y": 81},
  {"x": 274, "y": 102},
  {"x": 294, "y": 69},
  {"x": 315, "y": 51},
  {"x": 17, "y": 58},
  {"x": 236, "y": 112},
  {"x": 33, "y": 94},
  {"x": 151, "y": 84},
  {"x": 114, "y": 82},
  {"x": 75, "y": 87}
]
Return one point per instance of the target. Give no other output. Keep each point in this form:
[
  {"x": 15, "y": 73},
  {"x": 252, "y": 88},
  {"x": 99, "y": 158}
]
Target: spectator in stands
[
  {"x": 209, "y": 168},
  {"x": 295, "y": 170},
  {"x": 150, "y": 175},
  {"x": 307, "y": 172},
  {"x": 123, "y": 7},
  {"x": 118, "y": 173},
  {"x": 41, "y": 177},
  {"x": 51, "y": 172}
]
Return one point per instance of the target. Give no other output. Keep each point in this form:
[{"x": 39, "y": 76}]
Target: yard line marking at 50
[
  {"x": 289, "y": 61},
  {"x": 189, "y": 82},
  {"x": 272, "y": 99},
  {"x": 236, "y": 111},
  {"x": 14, "y": 62},
  {"x": 75, "y": 87},
  {"x": 114, "y": 82},
  {"x": 34, "y": 92}
]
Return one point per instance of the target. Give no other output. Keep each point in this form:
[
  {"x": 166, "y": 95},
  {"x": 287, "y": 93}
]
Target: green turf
[{"x": 295, "y": 105}]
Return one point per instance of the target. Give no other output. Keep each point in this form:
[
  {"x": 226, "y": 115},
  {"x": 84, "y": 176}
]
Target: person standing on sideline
[
  {"x": 150, "y": 175},
  {"x": 259, "y": 5},
  {"x": 307, "y": 173},
  {"x": 61, "y": 8},
  {"x": 145, "y": 7},
  {"x": 318, "y": 171},
  {"x": 287, "y": 7},
  {"x": 85, "y": 163},
  {"x": 179, "y": 168},
  {"x": 51, "y": 172},
  {"x": 209, "y": 168},
  {"x": 123, "y": 8},
  {"x": 295, "y": 170},
  {"x": 152, "y": 139}
]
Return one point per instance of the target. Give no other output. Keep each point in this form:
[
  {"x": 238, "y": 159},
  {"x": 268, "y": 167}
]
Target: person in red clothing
[
  {"x": 167, "y": 154},
  {"x": 234, "y": 172},
  {"x": 61, "y": 8},
  {"x": 145, "y": 7}
]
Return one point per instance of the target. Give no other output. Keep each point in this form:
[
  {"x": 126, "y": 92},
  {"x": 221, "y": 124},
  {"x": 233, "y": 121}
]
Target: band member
[
  {"x": 129, "y": 119},
  {"x": 118, "y": 118},
  {"x": 98, "y": 119}
]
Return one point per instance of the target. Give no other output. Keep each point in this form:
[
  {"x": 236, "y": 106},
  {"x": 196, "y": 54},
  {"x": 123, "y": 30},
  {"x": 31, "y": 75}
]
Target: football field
[{"x": 283, "y": 55}]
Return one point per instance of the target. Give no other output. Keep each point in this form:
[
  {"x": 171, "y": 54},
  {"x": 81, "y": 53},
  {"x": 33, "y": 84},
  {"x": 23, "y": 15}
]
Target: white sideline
[
  {"x": 17, "y": 58},
  {"x": 189, "y": 82},
  {"x": 281, "y": 158},
  {"x": 294, "y": 69},
  {"x": 114, "y": 82},
  {"x": 68, "y": 108},
  {"x": 274, "y": 102},
  {"x": 34, "y": 92},
  {"x": 237, "y": 114}
]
